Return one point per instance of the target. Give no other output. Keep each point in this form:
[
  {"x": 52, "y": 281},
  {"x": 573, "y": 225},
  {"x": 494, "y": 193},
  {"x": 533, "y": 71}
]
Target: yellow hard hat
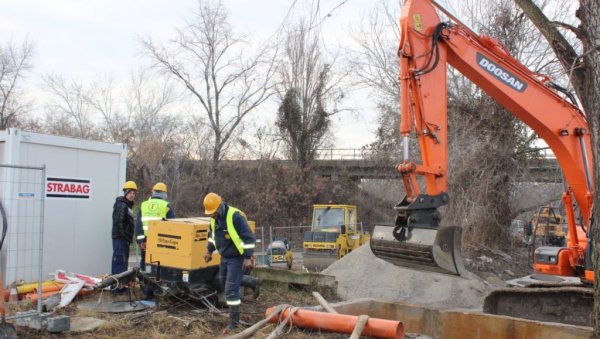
[
  {"x": 211, "y": 203},
  {"x": 160, "y": 187},
  {"x": 130, "y": 185}
]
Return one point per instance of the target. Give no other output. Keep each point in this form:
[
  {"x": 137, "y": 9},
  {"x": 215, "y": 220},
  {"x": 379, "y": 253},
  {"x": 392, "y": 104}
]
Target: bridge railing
[
  {"x": 366, "y": 154},
  {"x": 342, "y": 154}
]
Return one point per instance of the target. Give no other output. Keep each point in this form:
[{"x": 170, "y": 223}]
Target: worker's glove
[
  {"x": 208, "y": 257},
  {"x": 247, "y": 264}
]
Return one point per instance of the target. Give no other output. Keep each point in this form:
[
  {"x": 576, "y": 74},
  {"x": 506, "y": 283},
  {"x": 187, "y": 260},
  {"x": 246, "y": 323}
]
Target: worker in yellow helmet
[
  {"x": 122, "y": 229},
  {"x": 155, "y": 208},
  {"x": 232, "y": 237}
]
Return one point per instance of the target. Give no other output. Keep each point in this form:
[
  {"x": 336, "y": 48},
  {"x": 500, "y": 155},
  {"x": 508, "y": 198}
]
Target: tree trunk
[
  {"x": 216, "y": 156},
  {"x": 566, "y": 54},
  {"x": 589, "y": 13}
]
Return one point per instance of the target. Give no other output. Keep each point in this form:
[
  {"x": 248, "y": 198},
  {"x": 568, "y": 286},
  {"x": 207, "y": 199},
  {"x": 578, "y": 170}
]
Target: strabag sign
[{"x": 68, "y": 188}]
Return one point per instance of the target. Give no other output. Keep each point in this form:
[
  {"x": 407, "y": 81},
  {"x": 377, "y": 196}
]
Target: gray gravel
[{"x": 361, "y": 274}]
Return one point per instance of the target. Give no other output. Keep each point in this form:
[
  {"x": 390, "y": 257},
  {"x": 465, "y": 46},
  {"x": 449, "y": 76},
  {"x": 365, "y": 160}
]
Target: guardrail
[
  {"x": 366, "y": 154},
  {"x": 342, "y": 154}
]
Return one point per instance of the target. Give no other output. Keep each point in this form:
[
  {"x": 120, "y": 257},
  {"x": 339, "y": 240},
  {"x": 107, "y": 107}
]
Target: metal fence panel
[
  {"x": 22, "y": 197},
  {"x": 294, "y": 235}
]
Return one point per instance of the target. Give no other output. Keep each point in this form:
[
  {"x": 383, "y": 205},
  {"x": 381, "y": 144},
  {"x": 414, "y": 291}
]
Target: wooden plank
[{"x": 323, "y": 302}]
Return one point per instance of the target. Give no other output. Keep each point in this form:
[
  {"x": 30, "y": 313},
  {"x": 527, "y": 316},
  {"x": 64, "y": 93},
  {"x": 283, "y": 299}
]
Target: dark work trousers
[
  {"x": 143, "y": 260},
  {"x": 231, "y": 272},
  {"x": 120, "y": 255},
  {"x": 148, "y": 292}
]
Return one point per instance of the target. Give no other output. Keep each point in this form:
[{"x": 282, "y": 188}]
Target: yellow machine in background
[
  {"x": 549, "y": 225},
  {"x": 175, "y": 252},
  {"x": 279, "y": 252},
  {"x": 334, "y": 233}
]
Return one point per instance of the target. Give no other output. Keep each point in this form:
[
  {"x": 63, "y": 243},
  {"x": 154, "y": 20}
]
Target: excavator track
[{"x": 570, "y": 305}]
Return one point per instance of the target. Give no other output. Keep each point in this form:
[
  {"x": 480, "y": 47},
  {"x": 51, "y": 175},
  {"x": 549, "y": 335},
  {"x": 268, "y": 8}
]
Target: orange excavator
[{"x": 416, "y": 240}]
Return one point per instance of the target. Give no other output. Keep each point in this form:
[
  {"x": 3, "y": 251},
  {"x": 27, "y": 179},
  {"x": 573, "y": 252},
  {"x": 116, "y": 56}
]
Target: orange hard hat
[
  {"x": 160, "y": 186},
  {"x": 212, "y": 201}
]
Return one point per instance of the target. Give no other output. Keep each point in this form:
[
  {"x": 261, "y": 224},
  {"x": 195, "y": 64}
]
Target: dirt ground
[
  {"x": 175, "y": 319},
  {"x": 486, "y": 262},
  {"x": 170, "y": 320}
]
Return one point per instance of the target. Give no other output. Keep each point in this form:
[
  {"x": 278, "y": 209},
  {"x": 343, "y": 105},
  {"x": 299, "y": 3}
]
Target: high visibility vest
[
  {"x": 235, "y": 237},
  {"x": 153, "y": 209}
]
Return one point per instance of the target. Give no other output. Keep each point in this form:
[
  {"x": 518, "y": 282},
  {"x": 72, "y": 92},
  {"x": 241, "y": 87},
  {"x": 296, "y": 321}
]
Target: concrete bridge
[{"x": 361, "y": 164}]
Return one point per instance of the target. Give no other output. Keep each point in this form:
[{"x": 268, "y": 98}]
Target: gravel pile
[{"x": 361, "y": 274}]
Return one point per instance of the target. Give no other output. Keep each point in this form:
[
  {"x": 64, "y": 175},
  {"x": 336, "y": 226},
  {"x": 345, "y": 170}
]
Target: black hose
[
  {"x": 564, "y": 91},
  {"x": 4, "y": 225},
  {"x": 435, "y": 51}
]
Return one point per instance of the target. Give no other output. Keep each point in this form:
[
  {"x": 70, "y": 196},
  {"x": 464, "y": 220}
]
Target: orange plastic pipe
[
  {"x": 34, "y": 296},
  {"x": 341, "y": 323},
  {"x": 31, "y": 287}
]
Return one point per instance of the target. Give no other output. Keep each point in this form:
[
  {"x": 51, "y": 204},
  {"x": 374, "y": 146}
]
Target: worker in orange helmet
[{"x": 232, "y": 237}]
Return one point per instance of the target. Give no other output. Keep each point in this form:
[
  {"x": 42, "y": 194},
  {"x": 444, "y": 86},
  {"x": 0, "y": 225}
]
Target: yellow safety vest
[
  {"x": 153, "y": 209},
  {"x": 237, "y": 241}
]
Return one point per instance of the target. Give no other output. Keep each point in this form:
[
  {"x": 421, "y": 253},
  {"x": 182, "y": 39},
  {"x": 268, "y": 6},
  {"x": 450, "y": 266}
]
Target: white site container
[{"x": 77, "y": 219}]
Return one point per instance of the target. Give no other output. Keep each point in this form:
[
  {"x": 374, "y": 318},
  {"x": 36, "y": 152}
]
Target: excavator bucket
[{"x": 424, "y": 249}]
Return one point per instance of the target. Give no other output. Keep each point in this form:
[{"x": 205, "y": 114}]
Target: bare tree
[
  {"x": 309, "y": 91},
  {"x": 144, "y": 116},
  {"x": 375, "y": 63},
  {"x": 116, "y": 121},
  {"x": 15, "y": 61},
  {"x": 219, "y": 69},
  {"x": 374, "y": 66},
  {"x": 262, "y": 143},
  {"x": 69, "y": 111}
]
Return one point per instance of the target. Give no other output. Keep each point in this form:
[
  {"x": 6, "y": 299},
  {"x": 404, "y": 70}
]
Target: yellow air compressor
[{"x": 175, "y": 252}]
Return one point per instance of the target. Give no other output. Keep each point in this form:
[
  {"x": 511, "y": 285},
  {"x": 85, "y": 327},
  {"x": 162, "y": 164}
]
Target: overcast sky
[{"x": 82, "y": 39}]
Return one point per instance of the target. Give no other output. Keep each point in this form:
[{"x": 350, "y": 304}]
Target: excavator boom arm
[{"x": 426, "y": 47}]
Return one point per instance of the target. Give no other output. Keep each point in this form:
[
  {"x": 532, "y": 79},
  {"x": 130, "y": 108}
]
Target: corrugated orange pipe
[{"x": 341, "y": 323}]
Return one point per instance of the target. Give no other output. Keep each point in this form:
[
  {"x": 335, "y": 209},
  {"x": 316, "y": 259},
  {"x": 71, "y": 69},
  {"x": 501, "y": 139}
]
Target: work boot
[
  {"x": 234, "y": 319},
  {"x": 253, "y": 283}
]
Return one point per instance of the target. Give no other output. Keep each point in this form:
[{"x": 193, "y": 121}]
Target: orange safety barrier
[{"x": 341, "y": 323}]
